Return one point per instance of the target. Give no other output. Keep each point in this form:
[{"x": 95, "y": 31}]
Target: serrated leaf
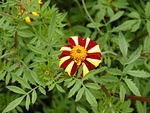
[
  {"x": 16, "y": 89},
  {"x": 31, "y": 75},
  {"x": 12, "y": 67},
  {"x": 60, "y": 88},
  {"x": 51, "y": 87},
  {"x": 90, "y": 98},
  {"x": 110, "y": 12},
  {"x": 122, "y": 93},
  {"x": 147, "y": 65},
  {"x": 94, "y": 72},
  {"x": 34, "y": 96},
  {"x": 25, "y": 33},
  {"x": 2, "y": 75},
  {"x": 147, "y": 10},
  {"x": 71, "y": 83},
  {"x": 136, "y": 26},
  {"x": 116, "y": 16},
  {"x": 52, "y": 26},
  {"x": 134, "y": 56},
  {"x": 42, "y": 90},
  {"x": 146, "y": 44},
  {"x": 36, "y": 50},
  {"x": 138, "y": 73},
  {"x": 22, "y": 81},
  {"x": 134, "y": 14},
  {"x": 140, "y": 107},
  {"x": 131, "y": 85},
  {"x": 94, "y": 25},
  {"x": 123, "y": 45},
  {"x": 81, "y": 110},
  {"x": 28, "y": 74},
  {"x": 92, "y": 85},
  {"x": 27, "y": 102},
  {"x": 8, "y": 77},
  {"x": 74, "y": 89},
  {"x": 13, "y": 104},
  {"x": 148, "y": 27},
  {"x": 115, "y": 71},
  {"x": 127, "y": 25},
  {"x": 106, "y": 79},
  {"x": 79, "y": 94}
]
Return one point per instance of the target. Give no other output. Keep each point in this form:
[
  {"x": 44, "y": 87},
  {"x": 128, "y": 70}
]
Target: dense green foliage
[{"x": 30, "y": 78}]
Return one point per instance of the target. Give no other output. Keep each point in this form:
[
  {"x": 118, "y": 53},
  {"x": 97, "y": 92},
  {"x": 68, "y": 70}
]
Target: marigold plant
[{"x": 74, "y": 56}]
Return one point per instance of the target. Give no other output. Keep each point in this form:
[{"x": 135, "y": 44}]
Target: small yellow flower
[
  {"x": 28, "y": 19},
  {"x": 40, "y": 2},
  {"x": 35, "y": 13}
]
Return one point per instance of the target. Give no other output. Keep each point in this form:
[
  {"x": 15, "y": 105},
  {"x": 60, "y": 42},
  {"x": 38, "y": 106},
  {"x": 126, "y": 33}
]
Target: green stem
[
  {"x": 86, "y": 11},
  {"x": 7, "y": 54},
  {"x": 31, "y": 90}
]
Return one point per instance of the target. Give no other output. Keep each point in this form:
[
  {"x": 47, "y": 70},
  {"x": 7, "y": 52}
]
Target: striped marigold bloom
[{"x": 85, "y": 52}]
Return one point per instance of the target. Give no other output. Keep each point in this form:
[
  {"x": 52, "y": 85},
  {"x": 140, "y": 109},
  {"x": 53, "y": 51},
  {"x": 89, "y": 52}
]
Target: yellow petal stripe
[
  {"x": 87, "y": 42},
  {"x": 27, "y": 19},
  {"x": 95, "y": 62},
  {"x": 40, "y": 2},
  {"x": 63, "y": 59},
  {"x": 85, "y": 69},
  {"x": 65, "y": 49},
  {"x": 35, "y": 13},
  {"x": 69, "y": 67},
  {"x": 95, "y": 49},
  {"x": 75, "y": 39}
]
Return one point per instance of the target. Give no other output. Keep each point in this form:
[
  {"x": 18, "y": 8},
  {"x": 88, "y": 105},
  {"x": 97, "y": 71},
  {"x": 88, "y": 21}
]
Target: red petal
[
  {"x": 94, "y": 55},
  {"x": 66, "y": 63},
  {"x": 81, "y": 41},
  {"x": 68, "y": 46},
  {"x": 64, "y": 53},
  {"x": 89, "y": 65},
  {"x": 31, "y": 19},
  {"x": 91, "y": 44},
  {"x": 74, "y": 69},
  {"x": 71, "y": 41}
]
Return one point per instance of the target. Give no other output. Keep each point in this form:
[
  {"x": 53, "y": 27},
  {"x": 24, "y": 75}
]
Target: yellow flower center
[{"x": 78, "y": 53}]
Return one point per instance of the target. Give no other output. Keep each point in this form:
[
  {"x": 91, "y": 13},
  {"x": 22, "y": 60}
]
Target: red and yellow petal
[
  {"x": 64, "y": 61},
  {"x": 94, "y": 49},
  {"x": 71, "y": 68},
  {"x": 85, "y": 69},
  {"x": 65, "y": 48},
  {"x": 75, "y": 40},
  {"x": 94, "y": 55},
  {"x": 64, "y": 53},
  {"x": 89, "y": 65},
  {"x": 34, "y": 13},
  {"x": 90, "y": 43},
  {"x": 74, "y": 69},
  {"x": 28, "y": 19},
  {"x": 40, "y": 2},
  {"x": 95, "y": 62}
]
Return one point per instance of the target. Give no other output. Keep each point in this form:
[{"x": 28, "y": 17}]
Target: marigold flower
[
  {"x": 28, "y": 19},
  {"x": 81, "y": 51},
  {"x": 40, "y": 2}
]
